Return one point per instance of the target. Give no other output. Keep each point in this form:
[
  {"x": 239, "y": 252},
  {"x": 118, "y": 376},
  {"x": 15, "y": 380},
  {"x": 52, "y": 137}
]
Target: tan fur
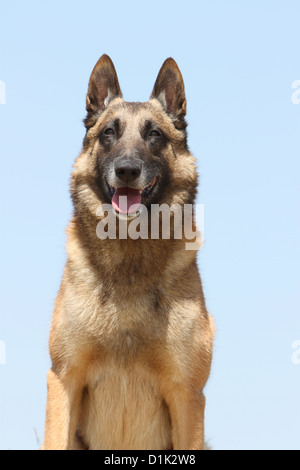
[{"x": 131, "y": 340}]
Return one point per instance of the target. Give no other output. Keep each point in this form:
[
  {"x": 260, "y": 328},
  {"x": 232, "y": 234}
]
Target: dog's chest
[
  {"x": 122, "y": 409},
  {"x": 131, "y": 329},
  {"x": 124, "y": 324}
]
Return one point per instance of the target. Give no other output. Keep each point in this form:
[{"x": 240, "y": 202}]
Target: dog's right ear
[{"x": 103, "y": 88}]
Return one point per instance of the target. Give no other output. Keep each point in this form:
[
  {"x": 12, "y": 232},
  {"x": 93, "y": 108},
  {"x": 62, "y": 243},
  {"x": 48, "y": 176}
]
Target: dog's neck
[{"x": 126, "y": 258}]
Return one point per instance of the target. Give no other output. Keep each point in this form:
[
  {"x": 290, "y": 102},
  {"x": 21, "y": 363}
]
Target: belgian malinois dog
[{"x": 131, "y": 339}]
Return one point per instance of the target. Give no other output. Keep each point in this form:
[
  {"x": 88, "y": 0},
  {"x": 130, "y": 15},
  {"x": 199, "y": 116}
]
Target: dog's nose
[{"x": 128, "y": 170}]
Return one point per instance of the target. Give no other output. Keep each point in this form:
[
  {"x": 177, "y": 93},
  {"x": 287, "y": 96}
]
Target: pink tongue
[{"x": 126, "y": 200}]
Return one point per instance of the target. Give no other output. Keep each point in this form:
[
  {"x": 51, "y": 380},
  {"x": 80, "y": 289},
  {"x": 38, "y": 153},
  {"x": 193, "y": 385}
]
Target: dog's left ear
[
  {"x": 169, "y": 91},
  {"x": 103, "y": 88}
]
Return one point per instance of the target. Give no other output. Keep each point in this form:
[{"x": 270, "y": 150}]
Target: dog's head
[{"x": 137, "y": 150}]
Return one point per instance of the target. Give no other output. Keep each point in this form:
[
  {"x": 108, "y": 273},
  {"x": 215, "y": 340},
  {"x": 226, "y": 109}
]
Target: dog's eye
[
  {"x": 109, "y": 131},
  {"x": 155, "y": 134}
]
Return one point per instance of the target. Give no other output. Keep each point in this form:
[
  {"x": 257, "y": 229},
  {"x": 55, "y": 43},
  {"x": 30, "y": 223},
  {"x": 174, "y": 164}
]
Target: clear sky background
[{"x": 239, "y": 61}]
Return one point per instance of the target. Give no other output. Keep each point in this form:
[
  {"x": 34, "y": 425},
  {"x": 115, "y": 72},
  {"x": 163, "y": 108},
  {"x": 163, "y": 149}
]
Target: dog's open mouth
[{"x": 127, "y": 200}]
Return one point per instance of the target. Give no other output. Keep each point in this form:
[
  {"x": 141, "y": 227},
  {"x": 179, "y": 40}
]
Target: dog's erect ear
[
  {"x": 169, "y": 90},
  {"x": 103, "y": 88}
]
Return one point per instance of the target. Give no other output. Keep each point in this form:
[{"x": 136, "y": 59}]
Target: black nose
[{"x": 128, "y": 170}]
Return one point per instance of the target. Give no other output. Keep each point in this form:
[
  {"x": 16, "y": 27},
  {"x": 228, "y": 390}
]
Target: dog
[{"x": 131, "y": 340}]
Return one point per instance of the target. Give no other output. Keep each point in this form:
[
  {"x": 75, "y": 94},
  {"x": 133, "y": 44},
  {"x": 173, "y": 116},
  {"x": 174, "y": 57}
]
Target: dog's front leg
[
  {"x": 62, "y": 410},
  {"x": 187, "y": 419}
]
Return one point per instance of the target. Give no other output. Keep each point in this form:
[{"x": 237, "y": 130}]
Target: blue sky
[{"x": 239, "y": 61}]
